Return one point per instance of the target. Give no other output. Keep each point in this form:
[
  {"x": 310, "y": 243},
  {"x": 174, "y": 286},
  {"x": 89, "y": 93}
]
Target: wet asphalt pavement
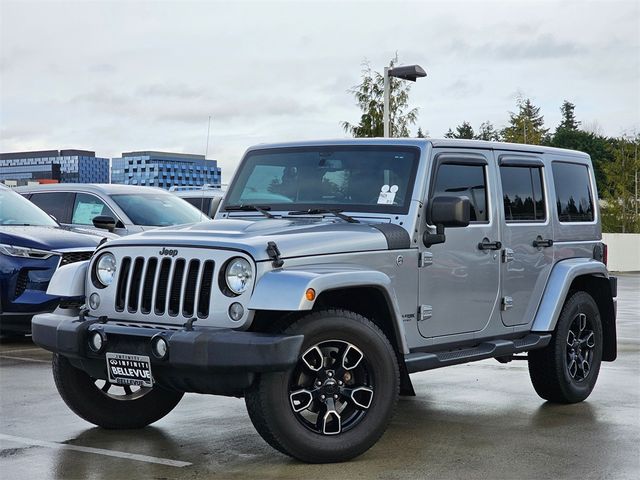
[{"x": 474, "y": 421}]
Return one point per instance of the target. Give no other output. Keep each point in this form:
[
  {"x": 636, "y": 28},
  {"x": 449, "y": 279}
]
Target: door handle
[
  {"x": 540, "y": 242},
  {"x": 487, "y": 245}
]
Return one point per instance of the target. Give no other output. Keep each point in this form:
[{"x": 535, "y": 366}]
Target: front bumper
[{"x": 204, "y": 360}]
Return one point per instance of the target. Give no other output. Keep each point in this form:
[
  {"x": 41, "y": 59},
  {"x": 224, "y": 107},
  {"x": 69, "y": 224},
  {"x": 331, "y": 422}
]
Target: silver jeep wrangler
[{"x": 331, "y": 272}]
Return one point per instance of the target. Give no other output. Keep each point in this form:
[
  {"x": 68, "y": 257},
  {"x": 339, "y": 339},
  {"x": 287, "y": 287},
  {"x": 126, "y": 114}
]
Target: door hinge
[
  {"x": 424, "y": 312},
  {"x": 507, "y": 255},
  {"x": 507, "y": 303},
  {"x": 426, "y": 259}
]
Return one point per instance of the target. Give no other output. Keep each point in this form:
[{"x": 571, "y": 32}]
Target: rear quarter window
[{"x": 574, "y": 198}]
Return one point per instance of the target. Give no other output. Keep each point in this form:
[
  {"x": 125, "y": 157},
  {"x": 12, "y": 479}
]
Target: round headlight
[
  {"x": 238, "y": 275},
  {"x": 106, "y": 269}
]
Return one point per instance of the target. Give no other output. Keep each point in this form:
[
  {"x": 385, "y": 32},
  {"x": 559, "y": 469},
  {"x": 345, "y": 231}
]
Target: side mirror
[
  {"x": 445, "y": 211},
  {"x": 105, "y": 222},
  {"x": 450, "y": 212}
]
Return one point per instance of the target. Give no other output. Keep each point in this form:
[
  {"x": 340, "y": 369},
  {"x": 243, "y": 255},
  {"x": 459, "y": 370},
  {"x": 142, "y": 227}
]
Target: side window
[
  {"x": 522, "y": 194},
  {"x": 54, "y": 203},
  {"x": 573, "y": 192},
  {"x": 202, "y": 204},
  {"x": 86, "y": 207},
  {"x": 464, "y": 181}
]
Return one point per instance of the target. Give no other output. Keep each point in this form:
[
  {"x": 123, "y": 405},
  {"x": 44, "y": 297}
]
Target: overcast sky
[{"x": 121, "y": 76}]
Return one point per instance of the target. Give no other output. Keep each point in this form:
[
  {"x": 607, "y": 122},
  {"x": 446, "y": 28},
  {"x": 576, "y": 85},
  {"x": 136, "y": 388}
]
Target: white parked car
[{"x": 122, "y": 209}]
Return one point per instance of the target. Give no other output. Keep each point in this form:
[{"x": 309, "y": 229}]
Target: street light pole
[
  {"x": 411, "y": 73},
  {"x": 387, "y": 95}
]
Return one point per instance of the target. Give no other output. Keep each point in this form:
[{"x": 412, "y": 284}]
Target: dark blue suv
[{"x": 32, "y": 246}]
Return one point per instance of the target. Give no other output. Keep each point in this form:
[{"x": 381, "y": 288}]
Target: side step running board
[{"x": 417, "y": 362}]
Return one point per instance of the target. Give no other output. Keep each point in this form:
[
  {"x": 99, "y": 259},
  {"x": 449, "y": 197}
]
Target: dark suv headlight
[{"x": 23, "y": 252}]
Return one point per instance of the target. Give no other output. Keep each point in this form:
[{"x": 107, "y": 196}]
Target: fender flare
[
  {"x": 284, "y": 290},
  {"x": 562, "y": 276}
]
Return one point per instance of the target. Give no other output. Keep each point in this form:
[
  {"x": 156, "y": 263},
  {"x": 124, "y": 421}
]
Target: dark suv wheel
[
  {"x": 567, "y": 369},
  {"x": 108, "y": 405},
  {"x": 338, "y": 400}
]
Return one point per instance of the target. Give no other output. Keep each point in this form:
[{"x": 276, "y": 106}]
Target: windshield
[
  {"x": 351, "y": 178},
  {"x": 17, "y": 210},
  {"x": 157, "y": 209}
]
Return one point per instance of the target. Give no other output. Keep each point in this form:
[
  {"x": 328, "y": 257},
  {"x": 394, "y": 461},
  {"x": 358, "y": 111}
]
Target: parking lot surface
[{"x": 480, "y": 420}]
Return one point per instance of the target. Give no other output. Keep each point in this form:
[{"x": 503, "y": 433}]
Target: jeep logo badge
[{"x": 168, "y": 252}]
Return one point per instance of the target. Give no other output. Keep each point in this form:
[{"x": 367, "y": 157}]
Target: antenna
[{"x": 206, "y": 152}]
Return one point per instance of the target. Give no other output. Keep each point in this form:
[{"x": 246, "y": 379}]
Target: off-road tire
[
  {"x": 548, "y": 367},
  {"x": 79, "y": 392},
  {"x": 272, "y": 415}
]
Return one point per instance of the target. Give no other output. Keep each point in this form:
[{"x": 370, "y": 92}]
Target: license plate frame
[{"x": 128, "y": 369}]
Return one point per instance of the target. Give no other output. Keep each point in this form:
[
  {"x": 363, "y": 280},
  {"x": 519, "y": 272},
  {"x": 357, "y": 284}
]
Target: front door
[
  {"x": 527, "y": 237},
  {"x": 459, "y": 284}
]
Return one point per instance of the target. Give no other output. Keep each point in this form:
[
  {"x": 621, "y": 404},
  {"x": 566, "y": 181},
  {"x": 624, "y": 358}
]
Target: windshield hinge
[{"x": 274, "y": 255}]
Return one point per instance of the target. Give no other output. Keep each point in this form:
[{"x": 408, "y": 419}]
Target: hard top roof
[{"x": 423, "y": 142}]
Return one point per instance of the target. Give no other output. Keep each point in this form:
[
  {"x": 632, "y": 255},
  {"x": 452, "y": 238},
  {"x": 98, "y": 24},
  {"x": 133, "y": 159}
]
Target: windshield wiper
[
  {"x": 250, "y": 208},
  {"x": 334, "y": 211}
]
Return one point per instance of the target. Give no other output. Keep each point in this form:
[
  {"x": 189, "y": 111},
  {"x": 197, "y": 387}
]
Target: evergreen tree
[
  {"x": 369, "y": 95},
  {"x": 462, "y": 131},
  {"x": 487, "y": 132},
  {"x": 421, "y": 134},
  {"x": 568, "y": 121},
  {"x": 526, "y": 126},
  {"x": 620, "y": 212}
]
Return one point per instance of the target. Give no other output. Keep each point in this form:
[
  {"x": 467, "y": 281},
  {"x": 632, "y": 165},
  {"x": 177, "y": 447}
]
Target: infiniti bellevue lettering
[{"x": 168, "y": 252}]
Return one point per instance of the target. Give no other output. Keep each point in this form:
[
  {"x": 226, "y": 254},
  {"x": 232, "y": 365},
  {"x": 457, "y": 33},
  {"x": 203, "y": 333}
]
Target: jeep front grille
[{"x": 177, "y": 286}]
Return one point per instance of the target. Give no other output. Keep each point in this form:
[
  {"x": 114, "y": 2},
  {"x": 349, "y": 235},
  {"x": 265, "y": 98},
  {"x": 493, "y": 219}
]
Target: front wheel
[
  {"x": 108, "y": 405},
  {"x": 339, "y": 398},
  {"x": 567, "y": 369}
]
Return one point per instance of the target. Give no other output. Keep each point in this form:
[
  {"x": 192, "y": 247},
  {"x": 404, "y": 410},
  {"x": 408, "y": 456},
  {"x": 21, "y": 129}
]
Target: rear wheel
[
  {"x": 339, "y": 398},
  {"x": 567, "y": 369},
  {"x": 108, "y": 405}
]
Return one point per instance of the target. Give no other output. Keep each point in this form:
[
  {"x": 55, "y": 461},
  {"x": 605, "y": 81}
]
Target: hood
[
  {"x": 294, "y": 237},
  {"x": 46, "y": 238}
]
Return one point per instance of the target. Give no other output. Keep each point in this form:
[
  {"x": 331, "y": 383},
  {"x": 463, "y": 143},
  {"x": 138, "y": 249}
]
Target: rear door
[{"x": 528, "y": 250}]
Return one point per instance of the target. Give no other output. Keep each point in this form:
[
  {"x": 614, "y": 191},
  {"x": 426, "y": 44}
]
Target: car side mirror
[
  {"x": 446, "y": 211},
  {"x": 105, "y": 222}
]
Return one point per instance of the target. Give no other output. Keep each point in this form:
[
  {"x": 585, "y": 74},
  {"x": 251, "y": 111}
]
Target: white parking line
[
  {"x": 30, "y": 349},
  {"x": 98, "y": 451},
  {"x": 25, "y": 359}
]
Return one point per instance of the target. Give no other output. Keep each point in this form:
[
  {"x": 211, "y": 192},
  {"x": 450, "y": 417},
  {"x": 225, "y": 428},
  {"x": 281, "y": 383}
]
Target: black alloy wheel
[
  {"x": 338, "y": 399},
  {"x": 566, "y": 370},
  {"x": 331, "y": 387},
  {"x": 581, "y": 341}
]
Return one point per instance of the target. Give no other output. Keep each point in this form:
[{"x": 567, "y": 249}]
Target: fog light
[
  {"x": 96, "y": 342},
  {"x": 94, "y": 301},
  {"x": 236, "y": 311},
  {"x": 159, "y": 347}
]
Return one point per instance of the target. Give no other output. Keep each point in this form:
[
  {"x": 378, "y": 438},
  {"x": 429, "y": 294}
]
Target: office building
[
  {"x": 64, "y": 166},
  {"x": 164, "y": 169}
]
